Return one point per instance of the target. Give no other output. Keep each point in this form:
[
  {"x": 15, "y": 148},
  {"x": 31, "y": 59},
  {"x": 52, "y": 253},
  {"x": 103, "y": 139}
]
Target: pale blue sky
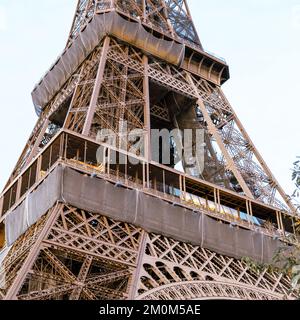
[{"x": 260, "y": 39}]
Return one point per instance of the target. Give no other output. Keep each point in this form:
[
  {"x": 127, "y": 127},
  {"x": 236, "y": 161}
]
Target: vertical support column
[
  {"x": 68, "y": 116},
  {"x": 166, "y": 13},
  {"x": 164, "y": 181},
  {"x": 66, "y": 147},
  {"x": 108, "y": 162},
  {"x": 184, "y": 186},
  {"x": 84, "y": 271},
  {"x": 38, "y": 168},
  {"x": 216, "y": 199},
  {"x": 144, "y": 175},
  {"x": 187, "y": 9},
  {"x": 38, "y": 141},
  {"x": 85, "y": 151},
  {"x": 219, "y": 201},
  {"x": 136, "y": 275},
  {"x": 144, "y": 10},
  {"x": 104, "y": 161},
  {"x": 282, "y": 225},
  {"x": 19, "y": 189},
  {"x": 97, "y": 86},
  {"x": 147, "y": 112},
  {"x": 61, "y": 146},
  {"x": 10, "y": 197},
  {"x": 278, "y": 220},
  {"x": 249, "y": 210},
  {"x": 50, "y": 157},
  {"x": 147, "y": 175},
  {"x": 181, "y": 188}
]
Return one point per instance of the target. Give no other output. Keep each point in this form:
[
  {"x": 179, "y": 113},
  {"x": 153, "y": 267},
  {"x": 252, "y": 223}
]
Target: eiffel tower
[{"x": 87, "y": 217}]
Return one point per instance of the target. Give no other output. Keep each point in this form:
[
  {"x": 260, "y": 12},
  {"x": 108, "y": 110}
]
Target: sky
[{"x": 260, "y": 40}]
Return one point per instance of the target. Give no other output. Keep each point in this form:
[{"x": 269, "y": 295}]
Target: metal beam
[
  {"x": 214, "y": 132},
  {"x": 34, "y": 251},
  {"x": 98, "y": 82},
  {"x": 147, "y": 114}
]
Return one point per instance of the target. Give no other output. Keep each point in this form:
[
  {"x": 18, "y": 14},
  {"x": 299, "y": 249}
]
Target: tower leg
[{"x": 33, "y": 253}]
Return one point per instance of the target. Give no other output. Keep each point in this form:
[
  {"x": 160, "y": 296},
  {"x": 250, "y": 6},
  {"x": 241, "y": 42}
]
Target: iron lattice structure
[
  {"x": 73, "y": 254},
  {"x": 148, "y": 68}
]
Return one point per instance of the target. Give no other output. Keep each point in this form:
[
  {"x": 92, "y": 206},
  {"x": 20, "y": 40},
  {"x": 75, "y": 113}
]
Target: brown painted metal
[
  {"x": 98, "y": 81},
  {"x": 109, "y": 253},
  {"x": 74, "y": 254}
]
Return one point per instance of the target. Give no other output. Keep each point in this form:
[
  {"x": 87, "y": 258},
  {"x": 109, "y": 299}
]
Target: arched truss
[
  {"x": 174, "y": 270},
  {"x": 73, "y": 254},
  {"x": 205, "y": 290}
]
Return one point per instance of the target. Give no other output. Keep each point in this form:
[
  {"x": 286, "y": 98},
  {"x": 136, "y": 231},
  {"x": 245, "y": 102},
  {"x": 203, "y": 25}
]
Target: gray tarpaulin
[
  {"x": 34, "y": 207},
  {"x": 110, "y": 23},
  {"x": 3, "y": 254},
  {"x": 133, "y": 206}
]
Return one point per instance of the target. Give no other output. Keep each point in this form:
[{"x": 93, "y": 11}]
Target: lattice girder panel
[
  {"x": 72, "y": 254},
  {"x": 18, "y": 254},
  {"x": 85, "y": 10},
  {"x": 83, "y": 92},
  {"x": 82, "y": 255},
  {"x": 109, "y": 94},
  {"x": 156, "y": 14},
  {"x": 181, "y": 20},
  {"x": 171, "y": 264},
  {"x": 240, "y": 148},
  {"x": 122, "y": 95},
  {"x": 130, "y": 7},
  {"x": 72, "y": 276}
]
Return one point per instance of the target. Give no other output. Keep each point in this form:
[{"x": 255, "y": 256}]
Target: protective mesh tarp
[
  {"x": 158, "y": 216},
  {"x": 33, "y": 207},
  {"x": 112, "y": 24},
  {"x": 3, "y": 254},
  {"x": 235, "y": 242},
  {"x": 132, "y": 206}
]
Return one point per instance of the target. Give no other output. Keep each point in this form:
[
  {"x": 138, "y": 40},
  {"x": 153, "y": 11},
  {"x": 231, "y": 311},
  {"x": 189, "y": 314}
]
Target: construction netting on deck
[
  {"x": 3, "y": 254},
  {"x": 36, "y": 204},
  {"x": 153, "y": 214}
]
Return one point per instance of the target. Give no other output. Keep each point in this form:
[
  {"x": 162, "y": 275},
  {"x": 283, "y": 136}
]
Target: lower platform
[
  {"x": 153, "y": 214},
  {"x": 79, "y": 237},
  {"x": 72, "y": 254}
]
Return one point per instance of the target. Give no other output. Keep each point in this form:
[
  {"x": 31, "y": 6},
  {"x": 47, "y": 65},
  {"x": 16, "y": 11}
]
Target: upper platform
[{"x": 173, "y": 40}]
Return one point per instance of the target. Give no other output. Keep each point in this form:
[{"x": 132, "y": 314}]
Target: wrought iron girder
[
  {"x": 85, "y": 245},
  {"x": 164, "y": 256}
]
